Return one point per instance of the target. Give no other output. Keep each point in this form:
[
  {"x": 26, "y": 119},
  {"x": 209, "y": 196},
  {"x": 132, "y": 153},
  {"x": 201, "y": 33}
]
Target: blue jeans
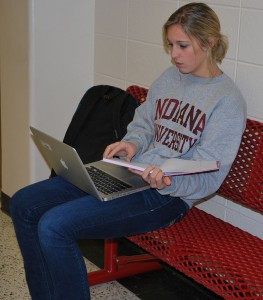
[{"x": 50, "y": 216}]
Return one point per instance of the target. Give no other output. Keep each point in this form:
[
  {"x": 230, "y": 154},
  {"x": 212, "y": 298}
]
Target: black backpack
[{"x": 100, "y": 119}]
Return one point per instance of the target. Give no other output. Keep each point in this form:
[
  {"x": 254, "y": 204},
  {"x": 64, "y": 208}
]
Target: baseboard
[{"x": 5, "y": 203}]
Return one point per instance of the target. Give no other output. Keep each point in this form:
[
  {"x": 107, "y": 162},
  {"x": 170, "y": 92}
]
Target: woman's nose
[{"x": 174, "y": 52}]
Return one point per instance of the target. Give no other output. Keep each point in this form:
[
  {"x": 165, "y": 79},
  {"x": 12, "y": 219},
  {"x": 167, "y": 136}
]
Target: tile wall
[{"x": 128, "y": 50}]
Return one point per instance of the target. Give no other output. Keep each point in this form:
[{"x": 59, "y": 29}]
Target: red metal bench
[{"x": 222, "y": 257}]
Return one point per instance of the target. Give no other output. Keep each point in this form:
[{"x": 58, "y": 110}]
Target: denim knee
[
  {"x": 24, "y": 206},
  {"x": 54, "y": 230},
  {"x": 18, "y": 205}
]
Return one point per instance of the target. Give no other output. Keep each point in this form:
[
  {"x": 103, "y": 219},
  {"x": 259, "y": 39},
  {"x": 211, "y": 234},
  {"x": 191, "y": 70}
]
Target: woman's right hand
[
  {"x": 155, "y": 177},
  {"x": 125, "y": 149}
]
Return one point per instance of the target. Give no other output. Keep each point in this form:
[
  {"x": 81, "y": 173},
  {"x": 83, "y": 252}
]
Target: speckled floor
[{"x": 12, "y": 280}]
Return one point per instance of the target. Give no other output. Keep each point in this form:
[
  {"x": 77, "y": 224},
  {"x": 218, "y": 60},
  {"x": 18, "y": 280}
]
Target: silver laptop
[{"x": 100, "y": 179}]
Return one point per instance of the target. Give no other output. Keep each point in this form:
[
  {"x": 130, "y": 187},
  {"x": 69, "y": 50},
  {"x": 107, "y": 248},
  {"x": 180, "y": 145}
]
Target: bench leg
[{"x": 116, "y": 267}]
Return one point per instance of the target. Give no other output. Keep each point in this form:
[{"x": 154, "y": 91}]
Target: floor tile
[{"x": 12, "y": 279}]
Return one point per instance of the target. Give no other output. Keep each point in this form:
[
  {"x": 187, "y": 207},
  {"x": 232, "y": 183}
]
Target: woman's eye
[
  {"x": 182, "y": 46},
  {"x": 177, "y": 45}
]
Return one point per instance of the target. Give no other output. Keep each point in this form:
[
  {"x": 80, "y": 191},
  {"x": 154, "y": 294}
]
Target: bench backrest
[{"x": 244, "y": 183}]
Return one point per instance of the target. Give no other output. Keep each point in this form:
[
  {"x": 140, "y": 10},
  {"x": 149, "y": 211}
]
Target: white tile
[
  {"x": 104, "y": 79},
  {"x": 110, "y": 56},
  {"x": 111, "y": 17},
  {"x": 257, "y": 4},
  {"x": 245, "y": 223},
  {"x": 245, "y": 211},
  {"x": 146, "y": 19},
  {"x": 251, "y": 43},
  {"x": 249, "y": 82},
  {"x": 214, "y": 208},
  {"x": 219, "y": 200},
  {"x": 234, "y": 214},
  {"x": 229, "y": 19},
  {"x": 145, "y": 62},
  {"x": 229, "y": 68}
]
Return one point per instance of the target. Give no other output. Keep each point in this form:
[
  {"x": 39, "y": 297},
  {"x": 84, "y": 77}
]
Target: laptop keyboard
[{"x": 106, "y": 183}]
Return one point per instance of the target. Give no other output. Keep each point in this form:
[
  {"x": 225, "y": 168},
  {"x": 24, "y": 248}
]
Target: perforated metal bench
[{"x": 222, "y": 257}]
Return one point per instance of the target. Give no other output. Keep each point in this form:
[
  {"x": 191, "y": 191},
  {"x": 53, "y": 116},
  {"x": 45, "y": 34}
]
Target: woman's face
[{"x": 186, "y": 53}]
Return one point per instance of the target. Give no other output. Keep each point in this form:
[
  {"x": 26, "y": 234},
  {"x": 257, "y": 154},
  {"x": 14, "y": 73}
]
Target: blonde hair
[{"x": 200, "y": 22}]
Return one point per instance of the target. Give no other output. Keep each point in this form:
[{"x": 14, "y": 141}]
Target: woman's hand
[
  {"x": 155, "y": 177},
  {"x": 126, "y": 149}
]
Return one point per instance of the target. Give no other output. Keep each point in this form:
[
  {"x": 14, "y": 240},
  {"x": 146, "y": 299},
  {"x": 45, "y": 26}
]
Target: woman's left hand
[{"x": 155, "y": 177}]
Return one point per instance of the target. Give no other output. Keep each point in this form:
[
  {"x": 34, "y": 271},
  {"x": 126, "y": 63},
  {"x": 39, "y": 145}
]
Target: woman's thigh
[
  {"x": 31, "y": 202},
  {"x": 88, "y": 217}
]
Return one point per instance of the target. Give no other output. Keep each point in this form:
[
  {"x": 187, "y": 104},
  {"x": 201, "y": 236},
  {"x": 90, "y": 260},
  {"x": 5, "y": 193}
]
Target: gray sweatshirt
[{"x": 191, "y": 118}]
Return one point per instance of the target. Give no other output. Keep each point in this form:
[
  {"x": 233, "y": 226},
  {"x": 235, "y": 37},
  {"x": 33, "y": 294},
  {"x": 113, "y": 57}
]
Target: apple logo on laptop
[{"x": 63, "y": 163}]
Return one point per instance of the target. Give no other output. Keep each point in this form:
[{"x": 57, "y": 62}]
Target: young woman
[{"x": 193, "y": 111}]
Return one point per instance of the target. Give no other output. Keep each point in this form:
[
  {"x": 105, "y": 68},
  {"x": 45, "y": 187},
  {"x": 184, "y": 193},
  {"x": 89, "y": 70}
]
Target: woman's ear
[
  {"x": 211, "y": 42},
  {"x": 210, "y": 45}
]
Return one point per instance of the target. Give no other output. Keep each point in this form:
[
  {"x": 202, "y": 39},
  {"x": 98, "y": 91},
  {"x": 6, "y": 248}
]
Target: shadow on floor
[{"x": 167, "y": 284}]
